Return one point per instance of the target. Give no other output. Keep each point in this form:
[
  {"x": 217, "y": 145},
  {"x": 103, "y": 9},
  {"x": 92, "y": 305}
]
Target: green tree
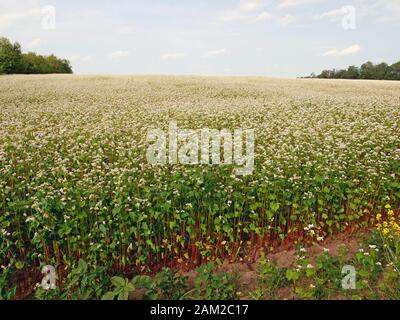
[
  {"x": 340, "y": 74},
  {"x": 367, "y": 70},
  {"x": 10, "y": 57},
  {"x": 37, "y": 64},
  {"x": 327, "y": 74},
  {"x": 380, "y": 71},
  {"x": 393, "y": 72},
  {"x": 13, "y": 61},
  {"x": 353, "y": 72}
]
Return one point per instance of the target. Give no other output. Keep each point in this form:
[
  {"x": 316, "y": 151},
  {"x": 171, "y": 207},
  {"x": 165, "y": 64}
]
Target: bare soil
[{"x": 245, "y": 274}]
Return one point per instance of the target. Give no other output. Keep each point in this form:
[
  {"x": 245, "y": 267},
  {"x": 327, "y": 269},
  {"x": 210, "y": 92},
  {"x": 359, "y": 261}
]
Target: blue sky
[{"x": 280, "y": 38}]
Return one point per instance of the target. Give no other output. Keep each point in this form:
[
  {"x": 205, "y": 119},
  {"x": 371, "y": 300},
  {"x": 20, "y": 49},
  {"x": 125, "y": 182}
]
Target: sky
[{"x": 276, "y": 38}]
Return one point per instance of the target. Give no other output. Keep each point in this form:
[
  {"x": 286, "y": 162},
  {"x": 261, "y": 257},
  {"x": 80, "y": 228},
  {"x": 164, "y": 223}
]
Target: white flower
[
  {"x": 320, "y": 239},
  {"x": 326, "y": 250},
  {"x": 310, "y": 266}
]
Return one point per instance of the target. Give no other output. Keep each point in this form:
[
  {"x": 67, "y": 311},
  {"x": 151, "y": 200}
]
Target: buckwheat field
[{"x": 75, "y": 182}]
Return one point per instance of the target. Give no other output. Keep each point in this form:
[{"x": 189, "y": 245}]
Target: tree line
[
  {"x": 369, "y": 70},
  {"x": 13, "y": 61}
]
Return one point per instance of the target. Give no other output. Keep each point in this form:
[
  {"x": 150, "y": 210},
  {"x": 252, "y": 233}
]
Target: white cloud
[
  {"x": 119, "y": 54},
  {"x": 337, "y": 53},
  {"x": 173, "y": 56},
  {"x": 286, "y": 20},
  {"x": 263, "y": 16},
  {"x": 333, "y": 14},
  {"x": 243, "y": 11},
  {"x": 293, "y": 3},
  {"x": 250, "y": 5},
  {"x": 34, "y": 43},
  {"x": 214, "y": 53},
  {"x": 11, "y": 18}
]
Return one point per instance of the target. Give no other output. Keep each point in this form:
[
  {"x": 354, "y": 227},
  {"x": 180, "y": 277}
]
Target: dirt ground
[{"x": 246, "y": 276}]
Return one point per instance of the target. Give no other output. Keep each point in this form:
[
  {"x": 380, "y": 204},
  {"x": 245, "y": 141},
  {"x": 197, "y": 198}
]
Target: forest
[{"x": 14, "y": 61}]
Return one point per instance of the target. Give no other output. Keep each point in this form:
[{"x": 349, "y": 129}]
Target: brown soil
[
  {"x": 286, "y": 258},
  {"x": 245, "y": 274}
]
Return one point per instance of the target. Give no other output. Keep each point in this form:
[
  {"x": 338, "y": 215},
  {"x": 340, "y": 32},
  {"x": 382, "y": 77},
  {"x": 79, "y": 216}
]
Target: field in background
[{"x": 75, "y": 183}]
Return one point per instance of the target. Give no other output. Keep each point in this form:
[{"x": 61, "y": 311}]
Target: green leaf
[
  {"x": 123, "y": 295},
  {"x": 103, "y": 229},
  {"x": 116, "y": 210},
  {"x": 310, "y": 272},
  {"x": 275, "y": 206},
  {"x": 141, "y": 281},
  {"x": 118, "y": 281},
  {"x": 130, "y": 287},
  {"x": 82, "y": 266},
  {"x": 292, "y": 275},
  {"x": 108, "y": 296}
]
